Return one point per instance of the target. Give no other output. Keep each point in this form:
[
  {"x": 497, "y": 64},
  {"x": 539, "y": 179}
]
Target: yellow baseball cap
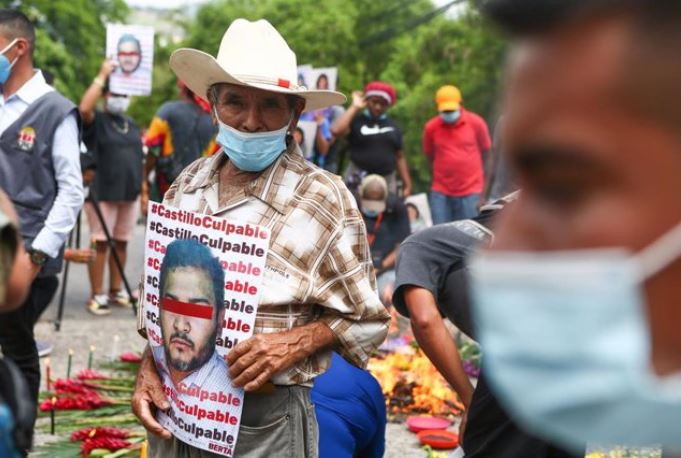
[{"x": 448, "y": 98}]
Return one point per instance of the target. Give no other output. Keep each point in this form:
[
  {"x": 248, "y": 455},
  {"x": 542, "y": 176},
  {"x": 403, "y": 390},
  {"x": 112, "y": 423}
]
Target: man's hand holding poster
[{"x": 202, "y": 281}]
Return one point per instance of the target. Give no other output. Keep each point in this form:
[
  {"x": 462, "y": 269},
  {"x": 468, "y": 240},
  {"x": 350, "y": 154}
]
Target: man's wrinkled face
[
  {"x": 377, "y": 106},
  {"x": 129, "y": 56},
  {"x": 255, "y": 110},
  {"x": 594, "y": 171},
  {"x": 189, "y": 341}
]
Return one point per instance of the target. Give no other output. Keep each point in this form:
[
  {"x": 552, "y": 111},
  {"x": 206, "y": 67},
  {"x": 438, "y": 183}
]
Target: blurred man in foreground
[{"x": 590, "y": 255}]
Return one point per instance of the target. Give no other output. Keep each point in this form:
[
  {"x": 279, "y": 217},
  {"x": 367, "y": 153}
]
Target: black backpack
[{"x": 14, "y": 394}]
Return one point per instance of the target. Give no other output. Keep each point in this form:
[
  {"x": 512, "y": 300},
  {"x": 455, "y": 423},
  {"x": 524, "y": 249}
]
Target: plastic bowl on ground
[
  {"x": 422, "y": 423},
  {"x": 439, "y": 439}
]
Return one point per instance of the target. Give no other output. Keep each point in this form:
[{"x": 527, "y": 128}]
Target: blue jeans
[{"x": 445, "y": 209}]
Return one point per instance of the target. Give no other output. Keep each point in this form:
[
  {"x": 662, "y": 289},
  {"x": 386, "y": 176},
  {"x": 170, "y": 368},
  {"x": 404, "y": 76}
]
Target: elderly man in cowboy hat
[{"x": 319, "y": 290}]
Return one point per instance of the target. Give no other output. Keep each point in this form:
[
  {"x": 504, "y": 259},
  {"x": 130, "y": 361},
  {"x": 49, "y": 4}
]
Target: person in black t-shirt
[
  {"x": 116, "y": 145},
  {"x": 375, "y": 141},
  {"x": 431, "y": 282},
  {"x": 387, "y": 223}
]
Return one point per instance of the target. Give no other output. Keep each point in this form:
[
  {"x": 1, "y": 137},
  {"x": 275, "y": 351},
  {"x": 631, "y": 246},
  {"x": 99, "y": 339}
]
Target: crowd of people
[{"x": 567, "y": 284}]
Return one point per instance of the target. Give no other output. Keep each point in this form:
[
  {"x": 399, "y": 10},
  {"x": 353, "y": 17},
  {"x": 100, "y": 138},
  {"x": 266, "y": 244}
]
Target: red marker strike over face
[{"x": 184, "y": 308}]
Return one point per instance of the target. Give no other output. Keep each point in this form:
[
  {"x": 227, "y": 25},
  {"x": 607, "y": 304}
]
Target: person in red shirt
[{"x": 455, "y": 143}]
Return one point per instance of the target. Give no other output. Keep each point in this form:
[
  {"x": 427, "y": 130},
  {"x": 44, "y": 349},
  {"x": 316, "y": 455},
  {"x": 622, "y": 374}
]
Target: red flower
[
  {"x": 91, "y": 433},
  {"x": 131, "y": 358},
  {"x": 88, "y": 401},
  {"x": 109, "y": 443},
  {"x": 91, "y": 374}
]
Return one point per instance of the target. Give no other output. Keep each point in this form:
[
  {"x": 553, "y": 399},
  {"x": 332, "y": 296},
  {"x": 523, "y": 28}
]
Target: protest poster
[
  {"x": 421, "y": 203},
  {"x": 322, "y": 78},
  {"x": 202, "y": 280},
  {"x": 309, "y": 132},
  {"x": 303, "y": 74},
  {"x": 131, "y": 47}
]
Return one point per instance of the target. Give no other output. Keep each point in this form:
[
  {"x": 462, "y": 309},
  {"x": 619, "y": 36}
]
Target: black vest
[{"x": 26, "y": 168}]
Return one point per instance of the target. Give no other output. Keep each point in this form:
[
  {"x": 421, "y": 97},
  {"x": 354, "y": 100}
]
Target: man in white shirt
[{"x": 40, "y": 172}]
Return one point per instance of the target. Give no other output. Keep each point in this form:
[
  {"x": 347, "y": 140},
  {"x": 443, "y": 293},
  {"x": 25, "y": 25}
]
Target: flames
[{"x": 412, "y": 385}]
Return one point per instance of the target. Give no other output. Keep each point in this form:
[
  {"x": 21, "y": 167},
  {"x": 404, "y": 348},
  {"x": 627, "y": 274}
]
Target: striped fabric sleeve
[{"x": 346, "y": 286}]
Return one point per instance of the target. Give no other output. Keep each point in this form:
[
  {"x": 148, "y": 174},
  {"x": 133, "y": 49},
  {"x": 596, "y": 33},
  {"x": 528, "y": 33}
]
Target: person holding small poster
[
  {"x": 318, "y": 292},
  {"x": 114, "y": 139}
]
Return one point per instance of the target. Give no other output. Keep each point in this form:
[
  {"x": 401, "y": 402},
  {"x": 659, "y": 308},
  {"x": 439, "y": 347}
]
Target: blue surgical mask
[
  {"x": 368, "y": 114},
  {"x": 5, "y": 64},
  {"x": 450, "y": 117},
  {"x": 567, "y": 343},
  {"x": 251, "y": 152},
  {"x": 371, "y": 213}
]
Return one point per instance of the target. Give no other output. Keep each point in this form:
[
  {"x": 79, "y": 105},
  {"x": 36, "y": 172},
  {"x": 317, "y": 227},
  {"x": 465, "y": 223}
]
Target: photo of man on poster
[
  {"x": 191, "y": 312},
  {"x": 131, "y": 47},
  {"x": 129, "y": 53}
]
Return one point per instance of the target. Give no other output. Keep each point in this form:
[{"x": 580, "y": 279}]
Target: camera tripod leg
[{"x": 112, "y": 245}]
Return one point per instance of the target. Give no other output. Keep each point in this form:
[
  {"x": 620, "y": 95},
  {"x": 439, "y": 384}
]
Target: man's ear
[
  {"x": 297, "y": 111},
  {"x": 23, "y": 47}
]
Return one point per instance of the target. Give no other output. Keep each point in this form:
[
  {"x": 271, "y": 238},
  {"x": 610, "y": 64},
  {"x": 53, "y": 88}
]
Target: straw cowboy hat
[{"x": 251, "y": 54}]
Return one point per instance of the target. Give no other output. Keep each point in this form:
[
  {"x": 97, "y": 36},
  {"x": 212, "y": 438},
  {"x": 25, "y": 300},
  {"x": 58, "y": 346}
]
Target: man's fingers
[
  {"x": 241, "y": 364},
  {"x": 252, "y": 372},
  {"x": 158, "y": 397},
  {"x": 145, "y": 415},
  {"x": 259, "y": 381},
  {"x": 239, "y": 350}
]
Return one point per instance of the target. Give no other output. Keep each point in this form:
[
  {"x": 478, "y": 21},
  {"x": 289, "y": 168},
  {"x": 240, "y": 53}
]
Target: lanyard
[{"x": 371, "y": 236}]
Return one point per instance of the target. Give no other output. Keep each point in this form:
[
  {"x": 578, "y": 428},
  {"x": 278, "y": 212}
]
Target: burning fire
[{"x": 411, "y": 384}]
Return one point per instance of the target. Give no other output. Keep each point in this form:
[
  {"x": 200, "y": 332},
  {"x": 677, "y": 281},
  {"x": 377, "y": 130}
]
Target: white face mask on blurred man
[{"x": 117, "y": 104}]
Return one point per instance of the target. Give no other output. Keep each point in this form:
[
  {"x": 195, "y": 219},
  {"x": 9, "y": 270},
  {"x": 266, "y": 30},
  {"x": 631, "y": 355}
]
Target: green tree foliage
[
  {"x": 462, "y": 52},
  {"x": 142, "y": 109},
  {"x": 398, "y": 41},
  {"x": 370, "y": 39},
  {"x": 70, "y": 38}
]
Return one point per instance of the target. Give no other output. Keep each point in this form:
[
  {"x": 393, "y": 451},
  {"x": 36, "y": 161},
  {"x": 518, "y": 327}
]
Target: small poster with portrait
[
  {"x": 418, "y": 209},
  {"x": 304, "y": 135},
  {"x": 202, "y": 281},
  {"x": 131, "y": 47},
  {"x": 322, "y": 78},
  {"x": 304, "y": 74}
]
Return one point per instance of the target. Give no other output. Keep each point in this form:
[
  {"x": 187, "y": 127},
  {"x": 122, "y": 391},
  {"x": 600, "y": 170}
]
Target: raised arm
[
  {"x": 92, "y": 94},
  {"x": 341, "y": 127}
]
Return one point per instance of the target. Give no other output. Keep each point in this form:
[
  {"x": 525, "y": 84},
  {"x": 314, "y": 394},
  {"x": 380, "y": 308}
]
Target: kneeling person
[{"x": 432, "y": 282}]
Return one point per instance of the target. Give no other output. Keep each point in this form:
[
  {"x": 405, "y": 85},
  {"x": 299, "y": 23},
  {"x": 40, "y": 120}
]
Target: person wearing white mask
[
  {"x": 577, "y": 300},
  {"x": 115, "y": 142},
  {"x": 319, "y": 288}
]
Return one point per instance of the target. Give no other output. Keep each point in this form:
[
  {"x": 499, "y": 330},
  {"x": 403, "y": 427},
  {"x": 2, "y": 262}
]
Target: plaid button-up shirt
[{"x": 318, "y": 267}]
